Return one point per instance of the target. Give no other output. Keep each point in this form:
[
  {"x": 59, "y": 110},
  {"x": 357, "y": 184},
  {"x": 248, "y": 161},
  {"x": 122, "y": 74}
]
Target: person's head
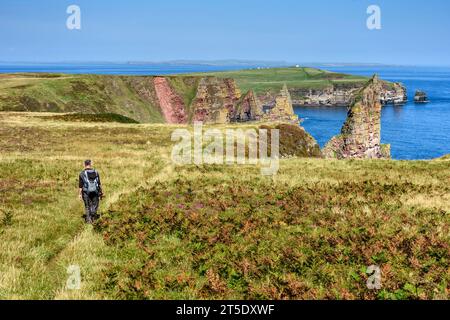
[{"x": 88, "y": 164}]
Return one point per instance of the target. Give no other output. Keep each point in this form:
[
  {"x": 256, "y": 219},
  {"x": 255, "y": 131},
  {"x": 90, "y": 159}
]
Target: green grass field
[
  {"x": 273, "y": 79},
  {"x": 79, "y": 94},
  {"x": 212, "y": 232}
]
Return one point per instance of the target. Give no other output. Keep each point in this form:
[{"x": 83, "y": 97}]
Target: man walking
[{"x": 90, "y": 191}]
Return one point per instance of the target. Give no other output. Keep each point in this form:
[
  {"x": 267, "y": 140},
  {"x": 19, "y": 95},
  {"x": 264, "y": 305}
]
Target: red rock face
[
  {"x": 216, "y": 100},
  {"x": 171, "y": 103}
]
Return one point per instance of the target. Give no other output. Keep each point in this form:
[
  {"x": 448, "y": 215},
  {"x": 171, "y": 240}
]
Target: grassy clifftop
[
  {"x": 212, "y": 231},
  {"x": 272, "y": 79},
  {"x": 126, "y": 96},
  {"x": 135, "y": 97}
]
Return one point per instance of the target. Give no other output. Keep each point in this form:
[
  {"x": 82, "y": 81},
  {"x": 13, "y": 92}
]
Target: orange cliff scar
[{"x": 172, "y": 105}]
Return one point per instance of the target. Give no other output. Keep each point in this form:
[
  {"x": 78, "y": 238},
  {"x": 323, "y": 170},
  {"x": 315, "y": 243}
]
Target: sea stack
[
  {"x": 360, "y": 136},
  {"x": 283, "y": 109},
  {"x": 420, "y": 97}
]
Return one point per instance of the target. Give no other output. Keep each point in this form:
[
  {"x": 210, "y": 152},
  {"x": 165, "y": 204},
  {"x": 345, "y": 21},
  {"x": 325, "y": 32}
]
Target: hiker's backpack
[{"x": 91, "y": 187}]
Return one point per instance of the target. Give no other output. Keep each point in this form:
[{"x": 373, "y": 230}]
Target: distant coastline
[{"x": 224, "y": 63}]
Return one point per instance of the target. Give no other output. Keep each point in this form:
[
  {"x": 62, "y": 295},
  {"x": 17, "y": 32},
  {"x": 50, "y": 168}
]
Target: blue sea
[
  {"x": 118, "y": 68},
  {"x": 415, "y": 131}
]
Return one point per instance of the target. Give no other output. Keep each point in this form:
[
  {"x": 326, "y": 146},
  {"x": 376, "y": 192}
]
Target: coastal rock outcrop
[
  {"x": 393, "y": 93},
  {"x": 249, "y": 108},
  {"x": 360, "y": 136},
  {"x": 332, "y": 95},
  {"x": 220, "y": 101},
  {"x": 283, "y": 109},
  {"x": 341, "y": 95},
  {"x": 420, "y": 97},
  {"x": 216, "y": 100}
]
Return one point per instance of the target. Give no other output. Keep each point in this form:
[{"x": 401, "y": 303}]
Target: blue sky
[{"x": 413, "y": 32}]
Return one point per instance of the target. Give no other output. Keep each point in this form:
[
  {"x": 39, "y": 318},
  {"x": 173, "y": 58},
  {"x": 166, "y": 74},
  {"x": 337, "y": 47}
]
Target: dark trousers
[{"x": 91, "y": 203}]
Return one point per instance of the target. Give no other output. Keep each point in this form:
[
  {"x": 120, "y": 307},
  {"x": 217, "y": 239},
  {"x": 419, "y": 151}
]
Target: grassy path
[
  {"x": 52, "y": 237},
  {"x": 89, "y": 251},
  {"x": 41, "y": 229}
]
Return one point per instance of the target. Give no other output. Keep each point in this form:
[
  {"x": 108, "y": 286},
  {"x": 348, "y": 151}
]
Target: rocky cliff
[
  {"x": 216, "y": 100},
  {"x": 282, "y": 108},
  {"x": 360, "y": 136},
  {"x": 220, "y": 101},
  {"x": 170, "y": 102},
  {"x": 341, "y": 95},
  {"x": 393, "y": 93},
  {"x": 248, "y": 109},
  {"x": 225, "y": 97}
]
